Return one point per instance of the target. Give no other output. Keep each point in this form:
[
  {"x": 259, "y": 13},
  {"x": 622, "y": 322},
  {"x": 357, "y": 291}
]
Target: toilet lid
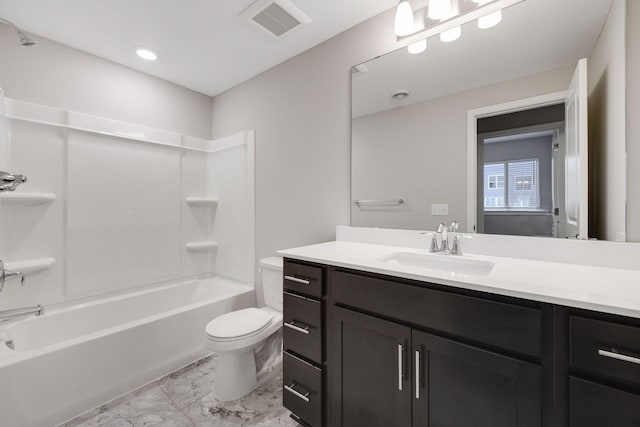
[{"x": 238, "y": 323}]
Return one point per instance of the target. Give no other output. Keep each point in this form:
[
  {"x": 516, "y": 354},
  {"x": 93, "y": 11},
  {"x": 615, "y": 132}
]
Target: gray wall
[
  {"x": 59, "y": 76},
  {"x": 521, "y": 224},
  {"x": 633, "y": 123},
  {"x": 301, "y": 111}
]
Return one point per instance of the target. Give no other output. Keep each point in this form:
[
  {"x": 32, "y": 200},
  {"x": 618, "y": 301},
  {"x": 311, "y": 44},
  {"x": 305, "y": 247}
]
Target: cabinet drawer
[
  {"x": 303, "y": 326},
  {"x": 302, "y": 278},
  {"x": 605, "y": 348},
  {"x": 498, "y": 324},
  {"x": 594, "y": 405},
  {"x": 302, "y": 393}
]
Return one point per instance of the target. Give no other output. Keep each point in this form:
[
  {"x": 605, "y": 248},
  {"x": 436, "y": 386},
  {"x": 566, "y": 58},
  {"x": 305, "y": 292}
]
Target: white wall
[
  {"x": 633, "y": 124},
  {"x": 607, "y": 128},
  {"x": 419, "y": 153},
  {"x": 59, "y": 76}
]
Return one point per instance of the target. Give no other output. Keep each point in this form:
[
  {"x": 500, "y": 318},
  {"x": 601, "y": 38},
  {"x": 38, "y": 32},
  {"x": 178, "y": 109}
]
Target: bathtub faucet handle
[{"x": 7, "y": 274}]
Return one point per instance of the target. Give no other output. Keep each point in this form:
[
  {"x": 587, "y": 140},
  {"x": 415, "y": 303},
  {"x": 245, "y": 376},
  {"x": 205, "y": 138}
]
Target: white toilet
[{"x": 241, "y": 337}]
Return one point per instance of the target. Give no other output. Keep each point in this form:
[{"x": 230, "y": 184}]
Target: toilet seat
[{"x": 239, "y": 324}]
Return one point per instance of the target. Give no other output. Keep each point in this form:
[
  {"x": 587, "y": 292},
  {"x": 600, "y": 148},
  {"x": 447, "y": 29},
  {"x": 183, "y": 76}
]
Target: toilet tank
[{"x": 271, "y": 269}]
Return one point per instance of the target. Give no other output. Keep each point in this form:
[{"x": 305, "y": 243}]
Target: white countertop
[{"x": 603, "y": 289}]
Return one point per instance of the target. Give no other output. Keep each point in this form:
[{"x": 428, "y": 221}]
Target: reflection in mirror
[{"x": 492, "y": 129}]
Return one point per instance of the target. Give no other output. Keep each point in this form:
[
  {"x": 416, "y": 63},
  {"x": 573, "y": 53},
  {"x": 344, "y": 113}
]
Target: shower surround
[{"x": 126, "y": 234}]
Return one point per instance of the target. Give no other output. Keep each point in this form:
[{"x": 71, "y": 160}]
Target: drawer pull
[
  {"x": 304, "y": 329},
  {"x": 297, "y": 280},
  {"x": 619, "y": 356},
  {"x": 417, "y": 375},
  {"x": 400, "y": 365},
  {"x": 292, "y": 390}
]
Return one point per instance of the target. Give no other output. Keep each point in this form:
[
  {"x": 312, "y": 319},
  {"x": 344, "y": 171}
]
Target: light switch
[{"x": 440, "y": 210}]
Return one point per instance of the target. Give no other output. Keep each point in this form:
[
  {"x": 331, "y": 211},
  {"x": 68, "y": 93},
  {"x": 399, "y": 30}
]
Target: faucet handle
[
  {"x": 454, "y": 226},
  {"x": 442, "y": 227},
  {"x": 6, "y": 274},
  {"x": 434, "y": 244},
  {"x": 455, "y": 248}
]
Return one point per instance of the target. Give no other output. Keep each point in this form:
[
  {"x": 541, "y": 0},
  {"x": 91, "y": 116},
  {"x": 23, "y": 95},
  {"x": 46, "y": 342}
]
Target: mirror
[{"x": 493, "y": 129}]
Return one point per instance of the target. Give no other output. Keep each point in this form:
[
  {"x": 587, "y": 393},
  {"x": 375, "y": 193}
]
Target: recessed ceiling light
[{"x": 146, "y": 54}]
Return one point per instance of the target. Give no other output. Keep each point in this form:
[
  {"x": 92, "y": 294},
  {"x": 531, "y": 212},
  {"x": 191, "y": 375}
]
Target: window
[
  {"x": 521, "y": 191},
  {"x": 495, "y": 182}
]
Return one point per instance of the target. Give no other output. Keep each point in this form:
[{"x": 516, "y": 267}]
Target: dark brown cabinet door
[
  {"x": 370, "y": 371},
  {"x": 595, "y": 405},
  {"x": 456, "y": 385}
]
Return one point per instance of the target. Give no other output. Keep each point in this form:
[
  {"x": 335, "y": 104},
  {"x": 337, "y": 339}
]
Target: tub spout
[{"x": 20, "y": 313}]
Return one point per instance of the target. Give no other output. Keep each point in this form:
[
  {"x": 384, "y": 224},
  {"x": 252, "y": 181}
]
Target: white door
[{"x": 577, "y": 158}]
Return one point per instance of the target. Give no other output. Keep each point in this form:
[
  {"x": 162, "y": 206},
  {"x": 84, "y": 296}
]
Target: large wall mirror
[{"x": 518, "y": 129}]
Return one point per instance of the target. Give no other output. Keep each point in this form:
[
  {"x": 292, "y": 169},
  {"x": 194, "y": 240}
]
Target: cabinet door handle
[
  {"x": 292, "y": 390},
  {"x": 304, "y": 329},
  {"x": 297, "y": 280},
  {"x": 619, "y": 356},
  {"x": 400, "y": 365},
  {"x": 418, "y": 360}
]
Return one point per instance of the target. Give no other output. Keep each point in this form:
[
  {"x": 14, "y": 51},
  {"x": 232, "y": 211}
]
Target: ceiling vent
[{"x": 275, "y": 16}]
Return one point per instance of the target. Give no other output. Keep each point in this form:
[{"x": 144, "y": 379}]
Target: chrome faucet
[
  {"x": 443, "y": 248},
  {"x": 20, "y": 313},
  {"x": 7, "y": 274},
  {"x": 9, "y": 181}
]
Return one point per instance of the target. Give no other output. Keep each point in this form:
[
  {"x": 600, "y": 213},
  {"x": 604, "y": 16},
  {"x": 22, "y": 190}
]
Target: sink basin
[{"x": 441, "y": 263}]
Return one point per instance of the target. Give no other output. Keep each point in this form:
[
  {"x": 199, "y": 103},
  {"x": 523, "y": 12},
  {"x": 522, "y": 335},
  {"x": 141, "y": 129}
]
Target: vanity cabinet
[
  {"x": 380, "y": 350},
  {"x": 604, "y": 383},
  {"x": 393, "y": 360},
  {"x": 303, "y": 342}
]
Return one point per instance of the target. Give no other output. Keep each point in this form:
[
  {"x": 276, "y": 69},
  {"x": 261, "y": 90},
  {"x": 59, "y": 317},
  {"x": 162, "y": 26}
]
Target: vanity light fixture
[
  {"x": 417, "y": 47},
  {"x": 439, "y": 9},
  {"x": 488, "y": 13},
  {"x": 404, "y": 23},
  {"x": 451, "y": 35},
  {"x": 146, "y": 54},
  {"x": 490, "y": 20},
  {"x": 421, "y": 45}
]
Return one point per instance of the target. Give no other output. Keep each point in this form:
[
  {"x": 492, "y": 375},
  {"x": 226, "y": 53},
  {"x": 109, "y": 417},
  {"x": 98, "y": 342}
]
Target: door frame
[{"x": 472, "y": 140}]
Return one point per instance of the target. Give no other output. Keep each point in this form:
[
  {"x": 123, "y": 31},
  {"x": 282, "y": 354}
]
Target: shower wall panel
[
  {"x": 112, "y": 206},
  {"x": 123, "y": 219}
]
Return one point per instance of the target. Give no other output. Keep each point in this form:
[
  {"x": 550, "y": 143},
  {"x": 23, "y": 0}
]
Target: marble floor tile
[
  {"x": 248, "y": 411},
  {"x": 149, "y": 406},
  {"x": 191, "y": 382},
  {"x": 184, "y": 398}
]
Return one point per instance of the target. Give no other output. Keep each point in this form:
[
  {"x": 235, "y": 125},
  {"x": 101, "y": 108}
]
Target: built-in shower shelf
[
  {"x": 206, "y": 246},
  {"x": 27, "y": 199},
  {"x": 30, "y": 266},
  {"x": 201, "y": 201}
]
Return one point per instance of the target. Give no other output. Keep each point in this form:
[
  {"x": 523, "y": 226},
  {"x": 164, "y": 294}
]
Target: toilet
[{"x": 248, "y": 342}]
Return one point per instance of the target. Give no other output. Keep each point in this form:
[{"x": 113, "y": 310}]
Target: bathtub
[{"x": 75, "y": 358}]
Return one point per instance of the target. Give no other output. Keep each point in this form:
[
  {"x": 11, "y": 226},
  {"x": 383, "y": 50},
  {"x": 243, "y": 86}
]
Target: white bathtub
[{"x": 73, "y": 359}]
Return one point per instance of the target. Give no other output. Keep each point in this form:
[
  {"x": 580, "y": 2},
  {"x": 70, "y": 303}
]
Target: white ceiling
[
  {"x": 534, "y": 36},
  {"x": 203, "y": 45}
]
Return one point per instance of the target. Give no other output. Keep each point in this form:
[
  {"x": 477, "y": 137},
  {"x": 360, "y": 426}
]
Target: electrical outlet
[{"x": 440, "y": 210}]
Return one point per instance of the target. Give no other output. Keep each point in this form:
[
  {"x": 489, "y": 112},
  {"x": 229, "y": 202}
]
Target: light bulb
[
  {"x": 417, "y": 47},
  {"x": 146, "y": 54},
  {"x": 451, "y": 35},
  {"x": 490, "y": 20},
  {"x": 439, "y": 9},
  {"x": 404, "y": 24}
]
